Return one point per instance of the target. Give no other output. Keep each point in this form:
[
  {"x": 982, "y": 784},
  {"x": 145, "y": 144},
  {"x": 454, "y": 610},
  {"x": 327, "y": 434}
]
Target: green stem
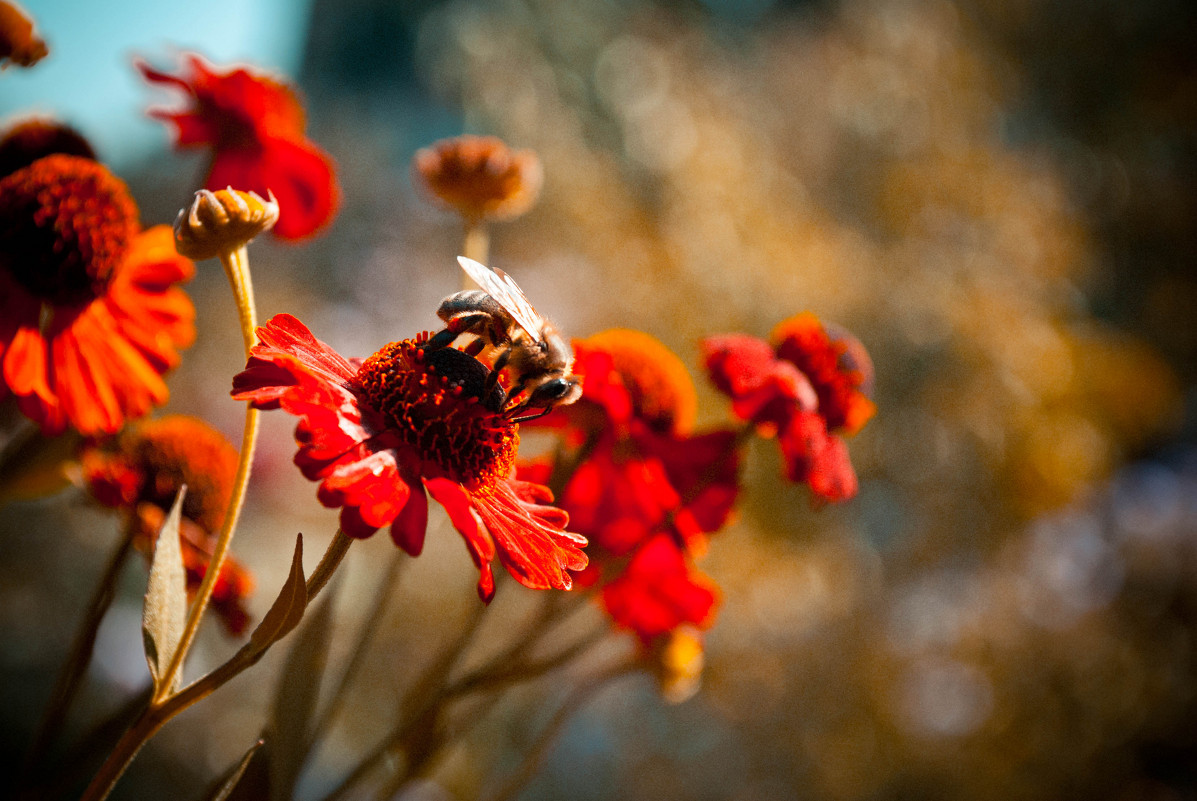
[{"x": 159, "y": 711}]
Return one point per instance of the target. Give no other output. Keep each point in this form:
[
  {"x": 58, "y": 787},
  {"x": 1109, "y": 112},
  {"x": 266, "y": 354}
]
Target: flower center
[
  {"x": 660, "y": 387},
  {"x": 150, "y": 460},
  {"x": 433, "y": 403},
  {"x": 65, "y": 225}
]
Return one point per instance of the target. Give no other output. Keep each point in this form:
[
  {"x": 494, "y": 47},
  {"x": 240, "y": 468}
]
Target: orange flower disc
[
  {"x": 65, "y": 225},
  {"x": 660, "y": 387},
  {"x": 435, "y": 408}
]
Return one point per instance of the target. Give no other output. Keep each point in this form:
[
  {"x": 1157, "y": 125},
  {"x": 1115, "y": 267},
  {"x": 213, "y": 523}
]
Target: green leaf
[
  {"x": 165, "y": 611},
  {"x": 291, "y": 721},
  {"x": 226, "y": 787},
  {"x": 287, "y": 609}
]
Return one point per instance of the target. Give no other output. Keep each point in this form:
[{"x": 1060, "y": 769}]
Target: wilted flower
[
  {"x": 90, "y": 318},
  {"x": 378, "y": 433},
  {"x": 140, "y": 471},
  {"x": 479, "y": 177},
  {"x": 807, "y": 391},
  {"x": 18, "y": 42},
  {"x": 255, "y": 127}
]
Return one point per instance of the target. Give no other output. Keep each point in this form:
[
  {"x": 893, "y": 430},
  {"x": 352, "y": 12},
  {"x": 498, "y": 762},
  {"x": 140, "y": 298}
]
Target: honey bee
[{"x": 537, "y": 358}]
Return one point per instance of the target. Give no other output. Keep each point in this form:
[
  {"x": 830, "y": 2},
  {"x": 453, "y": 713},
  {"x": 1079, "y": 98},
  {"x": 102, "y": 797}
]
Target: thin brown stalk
[
  {"x": 573, "y": 703},
  {"x": 79, "y": 655}
]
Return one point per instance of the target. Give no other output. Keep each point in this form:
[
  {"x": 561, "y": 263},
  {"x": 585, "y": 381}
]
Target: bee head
[{"x": 558, "y": 391}]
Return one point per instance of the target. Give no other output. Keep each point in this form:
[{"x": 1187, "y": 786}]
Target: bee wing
[{"x": 500, "y": 286}]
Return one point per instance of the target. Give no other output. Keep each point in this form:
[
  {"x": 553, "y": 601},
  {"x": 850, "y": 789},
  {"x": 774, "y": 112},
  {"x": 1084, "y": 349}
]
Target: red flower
[
  {"x": 378, "y": 433},
  {"x": 806, "y": 391},
  {"x": 89, "y": 315},
  {"x": 140, "y": 471},
  {"x": 255, "y": 126},
  {"x": 641, "y": 487},
  {"x": 659, "y": 592}
]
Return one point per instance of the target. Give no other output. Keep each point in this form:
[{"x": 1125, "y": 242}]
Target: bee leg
[
  {"x": 440, "y": 340},
  {"x": 500, "y": 363},
  {"x": 475, "y": 347},
  {"x": 529, "y": 417}
]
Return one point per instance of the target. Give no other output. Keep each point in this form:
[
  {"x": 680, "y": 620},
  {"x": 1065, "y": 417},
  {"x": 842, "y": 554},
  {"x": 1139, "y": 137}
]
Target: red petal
[
  {"x": 411, "y": 525},
  {"x": 464, "y": 517}
]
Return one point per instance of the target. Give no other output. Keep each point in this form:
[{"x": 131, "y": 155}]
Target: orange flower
[
  {"x": 32, "y": 138},
  {"x": 479, "y": 177},
  {"x": 18, "y": 43},
  {"x": 90, "y": 318},
  {"x": 139, "y": 472},
  {"x": 255, "y": 127}
]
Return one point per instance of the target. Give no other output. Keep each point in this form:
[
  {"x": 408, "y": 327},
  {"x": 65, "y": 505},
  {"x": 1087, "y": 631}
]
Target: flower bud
[{"x": 223, "y": 221}]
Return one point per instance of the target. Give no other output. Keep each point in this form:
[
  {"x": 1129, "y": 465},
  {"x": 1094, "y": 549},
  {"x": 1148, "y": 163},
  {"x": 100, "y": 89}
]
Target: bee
[{"x": 537, "y": 358}]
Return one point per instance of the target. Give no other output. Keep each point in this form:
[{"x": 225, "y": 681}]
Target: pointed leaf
[
  {"x": 165, "y": 612},
  {"x": 291, "y": 720},
  {"x": 287, "y": 609},
  {"x": 230, "y": 782}
]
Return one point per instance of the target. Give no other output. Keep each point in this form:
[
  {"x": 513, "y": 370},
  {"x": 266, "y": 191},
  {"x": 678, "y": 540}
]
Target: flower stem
[
  {"x": 328, "y": 563},
  {"x": 161, "y": 710},
  {"x": 80, "y": 653},
  {"x": 477, "y": 244},
  {"x": 236, "y": 268},
  {"x": 573, "y": 702}
]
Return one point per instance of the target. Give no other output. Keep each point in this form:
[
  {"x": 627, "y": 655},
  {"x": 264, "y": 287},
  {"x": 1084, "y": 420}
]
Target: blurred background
[{"x": 998, "y": 198}]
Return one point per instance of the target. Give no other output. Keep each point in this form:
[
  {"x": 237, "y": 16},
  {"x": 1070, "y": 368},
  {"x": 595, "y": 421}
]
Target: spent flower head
[{"x": 479, "y": 177}]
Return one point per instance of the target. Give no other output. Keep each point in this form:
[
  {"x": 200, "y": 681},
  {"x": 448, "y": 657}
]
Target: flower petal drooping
[
  {"x": 91, "y": 315},
  {"x": 379, "y": 435},
  {"x": 255, "y": 127}
]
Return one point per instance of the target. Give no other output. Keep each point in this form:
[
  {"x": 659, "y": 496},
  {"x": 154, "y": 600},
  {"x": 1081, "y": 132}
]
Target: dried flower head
[
  {"x": 377, "y": 434},
  {"x": 90, "y": 318},
  {"x": 140, "y": 471},
  {"x": 30, "y": 139},
  {"x": 221, "y": 222},
  {"x": 19, "y": 44},
  {"x": 479, "y": 177}
]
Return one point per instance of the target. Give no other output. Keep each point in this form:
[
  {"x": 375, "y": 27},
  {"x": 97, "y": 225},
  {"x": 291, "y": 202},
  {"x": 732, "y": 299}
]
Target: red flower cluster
[
  {"x": 140, "y": 471},
  {"x": 90, "y": 318},
  {"x": 378, "y": 434},
  {"x": 255, "y": 126},
  {"x": 641, "y": 487},
  {"x": 807, "y": 390}
]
